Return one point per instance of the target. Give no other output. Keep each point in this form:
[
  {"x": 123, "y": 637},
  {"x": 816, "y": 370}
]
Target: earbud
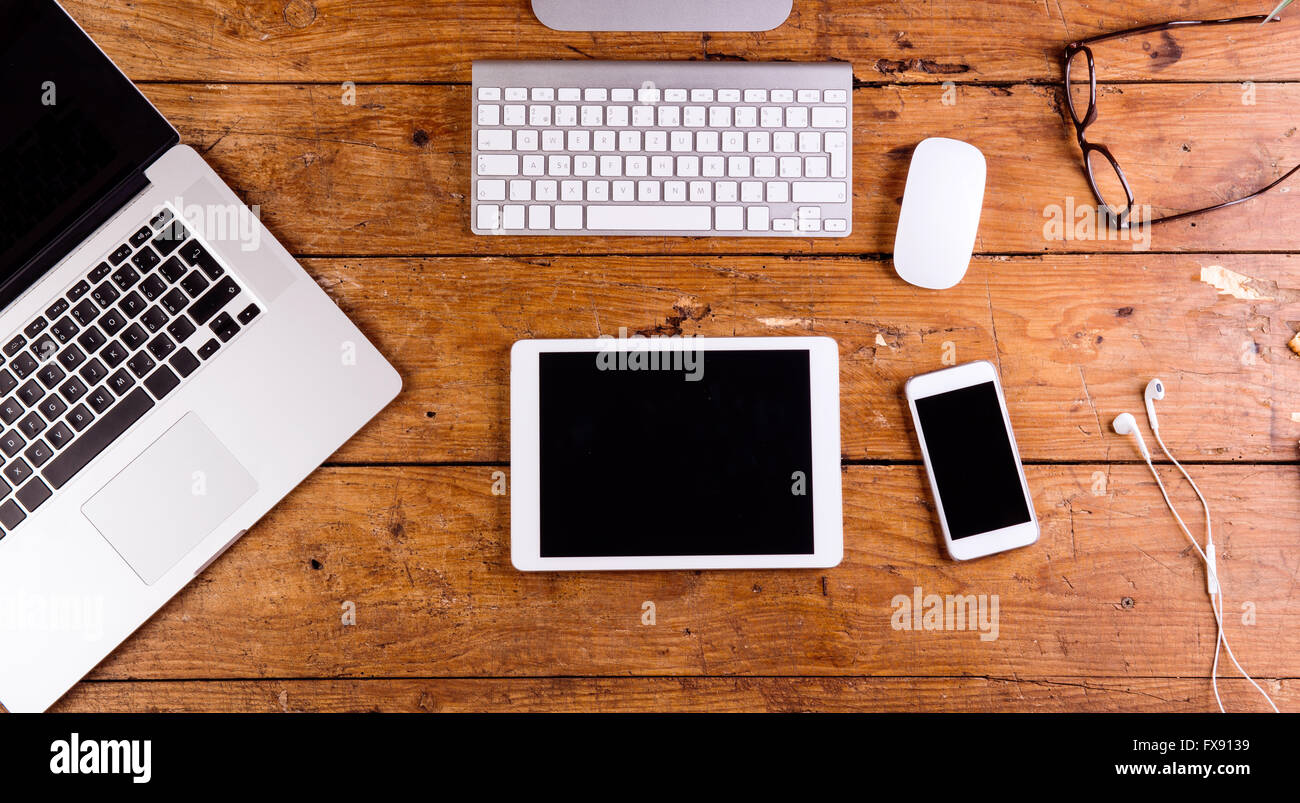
[
  {"x": 1154, "y": 392},
  {"x": 1126, "y": 424}
]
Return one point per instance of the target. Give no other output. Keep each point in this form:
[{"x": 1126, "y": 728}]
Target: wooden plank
[
  {"x": 389, "y": 175},
  {"x": 388, "y": 40},
  {"x": 716, "y": 695},
  {"x": 1076, "y": 337},
  {"x": 1109, "y": 591}
]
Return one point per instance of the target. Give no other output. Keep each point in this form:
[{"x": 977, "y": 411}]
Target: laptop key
[
  {"x": 59, "y": 435},
  {"x": 175, "y": 301},
  {"x": 159, "y": 220},
  {"x": 153, "y": 286},
  {"x": 91, "y": 340},
  {"x": 141, "y": 237},
  {"x": 119, "y": 256},
  {"x": 35, "y": 327},
  {"x": 73, "y": 389},
  {"x": 161, "y": 346},
  {"x": 100, "y": 399},
  {"x": 194, "y": 284},
  {"x": 209, "y": 348},
  {"x": 30, "y": 393},
  {"x": 170, "y": 238},
  {"x": 172, "y": 270},
  {"x": 125, "y": 278},
  {"x": 11, "y": 515},
  {"x": 44, "y": 348},
  {"x": 14, "y": 346},
  {"x": 132, "y": 305},
  {"x": 32, "y": 425},
  {"x": 140, "y": 364},
  {"x": 121, "y": 382},
  {"x": 23, "y": 365},
  {"x": 97, "y": 438},
  {"x": 162, "y": 382},
  {"x": 113, "y": 354},
  {"x": 184, "y": 362},
  {"x": 38, "y": 453},
  {"x": 146, "y": 259},
  {"x": 12, "y": 443},
  {"x": 79, "y": 417},
  {"x": 135, "y": 336},
  {"x": 10, "y": 410},
  {"x": 105, "y": 295},
  {"x": 33, "y": 494},
  {"x": 52, "y": 407},
  {"x": 78, "y": 290},
  {"x": 51, "y": 375},
  {"x": 224, "y": 327},
  {"x": 154, "y": 319},
  {"x": 181, "y": 328},
  {"x": 18, "y": 471},
  {"x": 8, "y": 383},
  {"x": 197, "y": 256},
  {"x": 57, "y": 308},
  {"x": 5, "y": 488},
  {"x": 250, "y": 312},
  {"x": 213, "y": 300},
  {"x": 103, "y": 269},
  {"x": 112, "y": 322},
  {"x": 93, "y": 371},
  {"x": 85, "y": 311},
  {"x": 64, "y": 329},
  {"x": 71, "y": 357}
]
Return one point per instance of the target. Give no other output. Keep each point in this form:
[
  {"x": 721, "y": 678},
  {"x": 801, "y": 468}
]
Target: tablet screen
[{"x": 686, "y": 453}]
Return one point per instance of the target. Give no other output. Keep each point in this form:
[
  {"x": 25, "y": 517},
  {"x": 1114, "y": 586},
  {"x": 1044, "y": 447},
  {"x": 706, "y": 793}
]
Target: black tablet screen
[{"x": 697, "y": 453}]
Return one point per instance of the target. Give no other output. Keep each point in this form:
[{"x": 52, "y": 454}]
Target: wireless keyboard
[{"x": 662, "y": 148}]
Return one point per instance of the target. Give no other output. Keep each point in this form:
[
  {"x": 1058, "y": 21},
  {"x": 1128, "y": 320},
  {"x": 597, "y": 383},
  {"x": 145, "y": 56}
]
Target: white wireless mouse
[{"x": 941, "y": 213}]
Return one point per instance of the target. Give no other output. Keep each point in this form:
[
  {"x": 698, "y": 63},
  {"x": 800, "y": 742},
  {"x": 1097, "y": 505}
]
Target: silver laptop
[{"x": 167, "y": 371}]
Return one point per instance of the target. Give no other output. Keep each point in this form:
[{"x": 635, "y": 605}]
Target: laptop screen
[{"x": 72, "y": 129}]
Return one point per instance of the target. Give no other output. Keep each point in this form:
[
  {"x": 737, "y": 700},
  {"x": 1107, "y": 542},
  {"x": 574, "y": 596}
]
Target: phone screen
[{"x": 971, "y": 458}]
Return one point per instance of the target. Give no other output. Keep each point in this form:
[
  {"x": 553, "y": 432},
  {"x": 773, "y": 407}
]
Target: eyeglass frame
[{"x": 1081, "y": 124}]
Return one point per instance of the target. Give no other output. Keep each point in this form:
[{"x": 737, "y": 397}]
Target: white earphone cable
[{"x": 1216, "y": 604}]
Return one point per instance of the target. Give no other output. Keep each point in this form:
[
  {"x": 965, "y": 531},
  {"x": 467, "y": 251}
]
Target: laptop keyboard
[{"x": 114, "y": 345}]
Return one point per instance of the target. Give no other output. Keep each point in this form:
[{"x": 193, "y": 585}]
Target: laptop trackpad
[{"x": 170, "y": 498}]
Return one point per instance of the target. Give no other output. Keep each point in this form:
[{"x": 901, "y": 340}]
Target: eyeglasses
[{"x": 1098, "y": 161}]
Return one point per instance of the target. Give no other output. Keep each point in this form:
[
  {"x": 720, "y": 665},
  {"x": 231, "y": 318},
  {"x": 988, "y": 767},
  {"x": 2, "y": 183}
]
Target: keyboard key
[
  {"x": 162, "y": 382},
  {"x": 51, "y": 375},
  {"x": 117, "y": 258},
  {"x": 154, "y": 319},
  {"x": 11, "y": 443},
  {"x": 209, "y": 348},
  {"x": 23, "y": 365},
  {"x": 57, "y": 308},
  {"x": 33, "y": 494},
  {"x": 134, "y": 337},
  {"x": 112, "y": 322},
  {"x": 161, "y": 346},
  {"x": 181, "y": 328},
  {"x": 146, "y": 259},
  {"x": 125, "y": 278},
  {"x": 14, "y": 346},
  {"x": 153, "y": 286},
  {"x": 100, "y": 400},
  {"x": 175, "y": 301},
  {"x": 132, "y": 304},
  {"x": 11, "y": 410},
  {"x": 121, "y": 382},
  {"x": 105, "y": 295},
  {"x": 649, "y": 218},
  {"x": 184, "y": 362},
  {"x": 78, "y": 290},
  {"x": 140, "y": 364},
  {"x": 11, "y": 515},
  {"x": 71, "y": 357},
  {"x": 38, "y": 454},
  {"x": 18, "y": 471},
  {"x": 92, "y": 339},
  {"x": 114, "y": 353},
  {"x": 52, "y": 407},
  {"x": 44, "y": 348},
  {"x": 96, "y": 439},
  {"x": 7, "y": 382},
  {"x": 141, "y": 237},
  {"x": 32, "y": 425},
  {"x": 64, "y": 329},
  {"x": 30, "y": 393},
  {"x": 172, "y": 270},
  {"x": 80, "y": 417},
  {"x": 73, "y": 389},
  {"x": 85, "y": 312},
  {"x": 170, "y": 239},
  {"x": 196, "y": 256},
  {"x": 224, "y": 327},
  {"x": 35, "y": 327},
  {"x": 159, "y": 220},
  {"x": 59, "y": 435},
  {"x": 213, "y": 300},
  {"x": 194, "y": 284}
]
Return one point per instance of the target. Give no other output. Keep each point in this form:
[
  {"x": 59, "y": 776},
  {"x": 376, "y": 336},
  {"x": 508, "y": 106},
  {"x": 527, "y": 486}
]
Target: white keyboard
[{"x": 662, "y": 148}]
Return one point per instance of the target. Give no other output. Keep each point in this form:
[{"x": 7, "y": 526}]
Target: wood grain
[
  {"x": 332, "y": 41},
  {"x": 1076, "y": 337},
  {"x": 704, "y": 695},
  {"x": 1111, "y": 590}
]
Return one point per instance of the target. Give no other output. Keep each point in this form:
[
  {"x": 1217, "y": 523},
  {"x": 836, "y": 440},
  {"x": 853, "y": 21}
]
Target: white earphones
[{"x": 1126, "y": 424}]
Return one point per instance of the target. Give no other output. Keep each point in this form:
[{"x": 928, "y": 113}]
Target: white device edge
[
  {"x": 994, "y": 541},
  {"x": 525, "y": 497}
]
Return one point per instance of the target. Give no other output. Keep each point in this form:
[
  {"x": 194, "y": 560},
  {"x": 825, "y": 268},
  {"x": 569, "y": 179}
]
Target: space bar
[
  {"x": 97, "y": 438},
  {"x": 649, "y": 218}
]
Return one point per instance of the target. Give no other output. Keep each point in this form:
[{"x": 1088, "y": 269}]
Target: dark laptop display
[{"x": 75, "y": 135}]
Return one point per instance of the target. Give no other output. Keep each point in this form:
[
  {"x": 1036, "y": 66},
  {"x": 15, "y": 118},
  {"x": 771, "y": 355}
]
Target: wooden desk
[{"x": 1107, "y": 612}]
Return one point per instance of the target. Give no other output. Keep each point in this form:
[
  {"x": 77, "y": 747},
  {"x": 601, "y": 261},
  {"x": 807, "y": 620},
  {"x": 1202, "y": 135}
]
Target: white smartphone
[{"x": 971, "y": 458}]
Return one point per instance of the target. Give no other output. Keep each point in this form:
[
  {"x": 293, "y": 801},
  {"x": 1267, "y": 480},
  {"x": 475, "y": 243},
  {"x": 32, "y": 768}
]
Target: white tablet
[{"x": 675, "y": 453}]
